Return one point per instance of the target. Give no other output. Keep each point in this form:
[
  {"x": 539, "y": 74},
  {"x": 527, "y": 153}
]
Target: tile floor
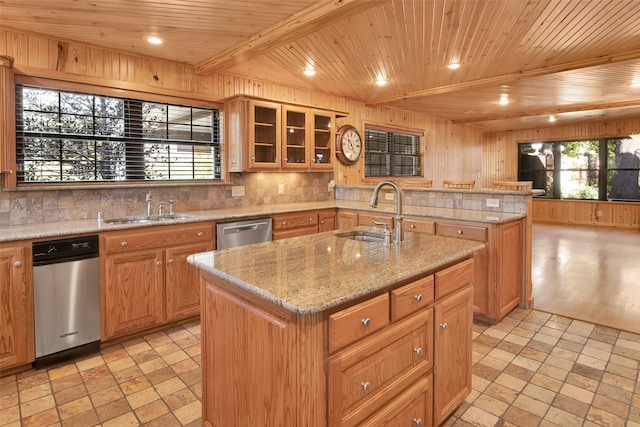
[{"x": 531, "y": 369}]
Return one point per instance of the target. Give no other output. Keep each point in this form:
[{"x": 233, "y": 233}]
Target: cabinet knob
[
  {"x": 418, "y": 297},
  {"x": 418, "y": 351},
  {"x": 284, "y": 222},
  {"x": 459, "y": 231},
  {"x": 366, "y": 386},
  {"x": 199, "y": 234},
  {"x": 158, "y": 262},
  {"x": 412, "y": 226},
  {"x": 417, "y": 421},
  {"x": 366, "y": 322},
  {"x": 322, "y": 222},
  {"x": 17, "y": 264},
  {"x": 443, "y": 325},
  {"x": 123, "y": 244},
  {"x": 170, "y": 261},
  {"x": 310, "y": 220}
]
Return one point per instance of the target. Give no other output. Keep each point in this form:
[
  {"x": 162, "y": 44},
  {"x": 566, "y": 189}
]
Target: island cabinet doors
[{"x": 260, "y": 366}]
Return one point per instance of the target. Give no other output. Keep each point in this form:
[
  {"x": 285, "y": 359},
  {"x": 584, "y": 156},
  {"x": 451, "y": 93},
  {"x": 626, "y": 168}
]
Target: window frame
[
  {"x": 391, "y": 131},
  {"x": 603, "y": 169},
  {"x": 125, "y": 94}
]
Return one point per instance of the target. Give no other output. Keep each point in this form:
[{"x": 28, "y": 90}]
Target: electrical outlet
[
  {"x": 599, "y": 213},
  {"x": 280, "y": 188},
  {"x": 388, "y": 196},
  {"x": 237, "y": 191},
  {"x": 493, "y": 203}
]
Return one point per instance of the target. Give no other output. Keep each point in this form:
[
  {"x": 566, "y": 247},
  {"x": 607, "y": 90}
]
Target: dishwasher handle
[{"x": 243, "y": 227}]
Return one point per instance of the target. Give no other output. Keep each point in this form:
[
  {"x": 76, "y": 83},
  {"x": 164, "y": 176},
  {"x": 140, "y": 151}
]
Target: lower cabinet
[
  {"x": 17, "y": 340},
  {"x": 401, "y": 358},
  {"x": 327, "y": 219},
  {"x": 294, "y": 224},
  {"x": 347, "y": 219},
  {"x": 145, "y": 279}
]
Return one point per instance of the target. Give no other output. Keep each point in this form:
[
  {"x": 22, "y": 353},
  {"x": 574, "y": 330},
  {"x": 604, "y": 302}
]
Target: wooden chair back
[
  {"x": 424, "y": 183},
  {"x": 512, "y": 185},
  {"x": 448, "y": 183}
]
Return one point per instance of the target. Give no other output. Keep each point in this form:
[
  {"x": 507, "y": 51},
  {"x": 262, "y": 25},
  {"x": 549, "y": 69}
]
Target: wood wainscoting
[{"x": 587, "y": 212}]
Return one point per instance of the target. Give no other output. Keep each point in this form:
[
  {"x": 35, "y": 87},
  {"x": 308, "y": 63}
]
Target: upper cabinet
[{"x": 263, "y": 136}]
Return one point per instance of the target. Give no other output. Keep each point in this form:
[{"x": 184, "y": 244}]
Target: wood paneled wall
[
  {"x": 451, "y": 151},
  {"x": 500, "y": 162}
]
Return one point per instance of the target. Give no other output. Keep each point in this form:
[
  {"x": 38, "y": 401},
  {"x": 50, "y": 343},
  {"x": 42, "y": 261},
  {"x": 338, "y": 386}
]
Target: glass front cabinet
[{"x": 264, "y": 136}]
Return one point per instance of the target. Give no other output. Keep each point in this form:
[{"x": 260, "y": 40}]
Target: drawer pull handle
[
  {"x": 123, "y": 244},
  {"x": 418, "y": 351},
  {"x": 366, "y": 322},
  {"x": 459, "y": 231},
  {"x": 418, "y": 297},
  {"x": 366, "y": 386},
  {"x": 17, "y": 264},
  {"x": 199, "y": 234},
  {"x": 443, "y": 325},
  {"x": 417, "y": 421}
]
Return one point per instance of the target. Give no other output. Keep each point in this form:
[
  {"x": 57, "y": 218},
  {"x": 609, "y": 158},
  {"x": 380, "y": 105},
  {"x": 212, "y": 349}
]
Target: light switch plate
[
  {"x": 237, "y": 191},
  {"x": 493, "y": 203},
  {"x": 388, "y": 196},
  {"x": 280, "y": 188}
]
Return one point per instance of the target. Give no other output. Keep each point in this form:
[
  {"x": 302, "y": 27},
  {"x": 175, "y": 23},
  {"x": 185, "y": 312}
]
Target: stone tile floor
[{"x": 531, "y": 369}]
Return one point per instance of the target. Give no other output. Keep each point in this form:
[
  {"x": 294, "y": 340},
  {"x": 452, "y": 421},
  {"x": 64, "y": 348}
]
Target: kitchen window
[
  {"x": 65, "y": 136},
  {"x": 391, "y": 153},
  {"x": 594, "y": 169}
]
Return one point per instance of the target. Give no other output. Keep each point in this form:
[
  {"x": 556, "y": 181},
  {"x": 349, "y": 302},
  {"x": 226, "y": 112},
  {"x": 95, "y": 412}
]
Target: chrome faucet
[
  {"x": 374, "y": 202},
  {"x": 148, "y": 200}
]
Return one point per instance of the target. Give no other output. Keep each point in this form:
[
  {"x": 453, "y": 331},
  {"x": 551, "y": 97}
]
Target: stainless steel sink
[
  {"x": 362, "y": 236},
  {"x": 145, "y": 219}
]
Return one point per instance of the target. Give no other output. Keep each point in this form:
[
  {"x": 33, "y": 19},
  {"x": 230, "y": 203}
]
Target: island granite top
[{"x": 310, "y": 274}]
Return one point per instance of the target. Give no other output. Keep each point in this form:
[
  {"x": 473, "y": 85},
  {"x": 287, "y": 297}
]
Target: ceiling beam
[
  {"x": 509, "y": 78},
  {"x": 301, "y": 24},
  {"x": 553, "y": 111}
]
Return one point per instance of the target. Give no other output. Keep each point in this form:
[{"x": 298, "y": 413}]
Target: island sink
[{"x": 363, "y": 236}]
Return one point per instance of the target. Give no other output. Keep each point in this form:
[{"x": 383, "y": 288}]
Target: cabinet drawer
[
  {"x": 456, "y": 277},
  {"x": 155, "y": 237},
  {"x": 368, "y": 218},
  {"x": 356, "y": 322},
  {"x": 300, "y": 219},
  {"x": 469, "y": 232},
  {"x": 411, "y": 297},
  {"x": 411, "y": 408},
  {"x": 367, "y": 375},
  {"x": 419, "y": 226}
]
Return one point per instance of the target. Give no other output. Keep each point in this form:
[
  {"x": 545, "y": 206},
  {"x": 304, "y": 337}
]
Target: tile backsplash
[{"x": 35, "y": 206}]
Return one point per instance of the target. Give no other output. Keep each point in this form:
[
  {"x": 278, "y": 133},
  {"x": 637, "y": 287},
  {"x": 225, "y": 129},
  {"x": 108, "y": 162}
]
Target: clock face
[{"x": 349, "y": 145}]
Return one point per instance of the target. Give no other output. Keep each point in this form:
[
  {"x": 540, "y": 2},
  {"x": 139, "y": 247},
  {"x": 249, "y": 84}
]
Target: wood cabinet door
[
  {"x": 347, "y": 219},
  {"x": 264, "y": 135},
  {"x": 509, "y": 266},
  {"x": 133, "y": 292},
  {"x": 16, "y": 302},
  {"x": 452, "y": 360},
  {"x": 181, "y": 281},
  {"x": 295, "y": 138},
  {"x": 323, "y": 128},
  {"x": 326, "y": 220}
]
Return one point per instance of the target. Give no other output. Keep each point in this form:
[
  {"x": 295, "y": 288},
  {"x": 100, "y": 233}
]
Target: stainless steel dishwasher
[
  {"x": 66, "y": 289},
  {"x": 245, "y": 232}
]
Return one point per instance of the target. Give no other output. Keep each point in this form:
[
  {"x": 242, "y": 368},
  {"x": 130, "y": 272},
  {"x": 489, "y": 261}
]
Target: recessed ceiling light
[
  {"x": 154, "y": 40},
  {"x": 635, "y": 83},
  {"x": 552, "y": 118},
  {"x": 309, "y": 71},
  {"x": 454, "y": 66},
  {"x": 504, "y": 99},
  {"x": 381, "y": 81}
]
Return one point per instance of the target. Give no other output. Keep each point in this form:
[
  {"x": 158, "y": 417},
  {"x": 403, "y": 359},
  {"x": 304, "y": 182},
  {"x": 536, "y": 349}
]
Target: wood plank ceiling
[{"x": 574, "y": 59}]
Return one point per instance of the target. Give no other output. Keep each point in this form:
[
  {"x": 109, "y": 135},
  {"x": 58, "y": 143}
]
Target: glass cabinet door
[
  {"x": 295, "y": 139},
  {"x": 264, "y": 135},
  {"x": 323, "y": 140}
]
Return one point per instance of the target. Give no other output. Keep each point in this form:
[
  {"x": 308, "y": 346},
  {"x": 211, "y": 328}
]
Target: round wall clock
[{"x": 348, "y": 145}]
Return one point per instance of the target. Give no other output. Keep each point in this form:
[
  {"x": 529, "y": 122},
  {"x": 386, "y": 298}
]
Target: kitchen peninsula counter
[{"x": 323, "y": 330}]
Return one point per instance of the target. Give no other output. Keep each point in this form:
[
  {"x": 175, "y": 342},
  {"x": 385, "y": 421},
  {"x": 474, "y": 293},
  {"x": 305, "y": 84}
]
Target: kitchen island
[{"x": 327, "y": 330}]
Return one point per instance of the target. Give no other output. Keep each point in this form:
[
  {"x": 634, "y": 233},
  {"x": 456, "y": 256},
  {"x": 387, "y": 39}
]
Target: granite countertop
[
  {"x": 314, "y": 273},
  {"x": 87, "y": 226}
]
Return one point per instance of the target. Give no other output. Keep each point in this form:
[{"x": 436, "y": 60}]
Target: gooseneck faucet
[{"x": 374, "y": 202}]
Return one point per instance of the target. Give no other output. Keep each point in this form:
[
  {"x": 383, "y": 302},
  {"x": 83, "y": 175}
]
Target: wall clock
[{"x": 348, "y": 145}]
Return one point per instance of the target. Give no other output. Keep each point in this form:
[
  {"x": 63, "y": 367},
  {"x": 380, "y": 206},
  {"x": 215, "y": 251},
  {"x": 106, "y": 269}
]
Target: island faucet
[{"x": 374, "y": 202}]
